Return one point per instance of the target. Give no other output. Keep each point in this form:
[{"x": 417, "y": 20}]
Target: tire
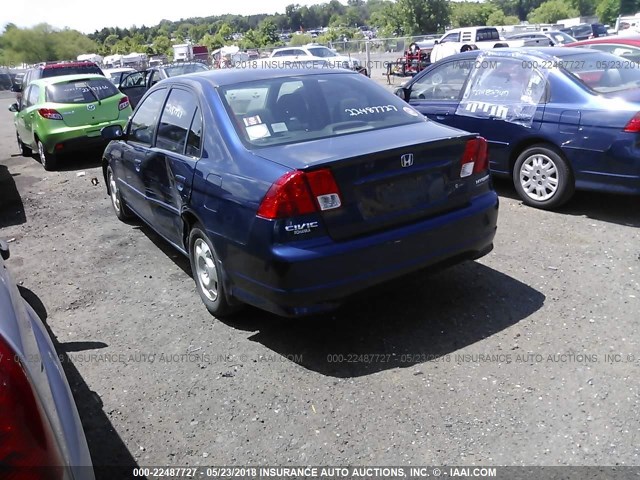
[
  {"x": 24, "y": 150},
  {"x": 208, "y": 273},
  {"x": 543, "y": 178},
  {"x": 119, "y": 206},
  {"x": 48, "y": 160}
]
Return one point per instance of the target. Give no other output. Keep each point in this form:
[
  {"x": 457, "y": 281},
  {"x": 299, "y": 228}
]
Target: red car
[{"x": 627, "y": 47}]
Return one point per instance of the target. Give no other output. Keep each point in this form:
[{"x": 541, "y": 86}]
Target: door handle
[
  {"x": 180, "y": 182},
  {"x": 137, "y": 164},
  {"x": 441, "y": 116}
]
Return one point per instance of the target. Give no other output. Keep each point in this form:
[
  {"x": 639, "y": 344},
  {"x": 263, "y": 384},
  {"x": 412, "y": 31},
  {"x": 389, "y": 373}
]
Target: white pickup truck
[{"x": 476, "y": 38}]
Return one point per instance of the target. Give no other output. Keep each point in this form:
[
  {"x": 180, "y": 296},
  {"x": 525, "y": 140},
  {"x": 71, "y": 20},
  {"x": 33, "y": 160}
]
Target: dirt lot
[{"x": 501, "y": 361}]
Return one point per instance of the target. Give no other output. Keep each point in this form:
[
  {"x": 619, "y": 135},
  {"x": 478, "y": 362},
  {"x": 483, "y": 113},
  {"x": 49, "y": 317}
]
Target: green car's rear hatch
[{"x": 86, "y": 101}]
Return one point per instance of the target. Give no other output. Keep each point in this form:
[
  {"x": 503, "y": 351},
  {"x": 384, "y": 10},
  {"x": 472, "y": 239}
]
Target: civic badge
[
  {"x": 406, "y": 160},
  {"x": 91, "y": 107}
]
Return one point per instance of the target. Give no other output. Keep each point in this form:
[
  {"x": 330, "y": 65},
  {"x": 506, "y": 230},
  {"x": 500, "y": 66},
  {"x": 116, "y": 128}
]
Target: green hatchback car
[{"x": 60, "y": 115}]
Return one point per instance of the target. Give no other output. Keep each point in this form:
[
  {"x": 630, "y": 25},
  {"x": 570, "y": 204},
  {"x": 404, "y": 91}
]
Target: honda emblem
[{"x": 406, "y": 160}]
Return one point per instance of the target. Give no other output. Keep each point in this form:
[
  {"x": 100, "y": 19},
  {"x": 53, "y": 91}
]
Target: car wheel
[
  {"x": 48, "y": 160},
  {"x": 24, "y": 150},
  {"x": 543, "y": 178},
  {"x": 207, "y": 273},
  {"x": 119, "y": 206}
]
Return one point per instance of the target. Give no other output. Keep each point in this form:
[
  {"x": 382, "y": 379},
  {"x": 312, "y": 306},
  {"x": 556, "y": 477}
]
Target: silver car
[{"x": 39, "y": 422}]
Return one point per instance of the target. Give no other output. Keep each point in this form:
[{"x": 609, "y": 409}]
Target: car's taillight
[
  {"x": 634, "y": 124},
  {"x": 298, "y": 193},
  {"x": 26, "y": 436},
  {"x": 475, "y": 158},
  {"x": 50, "y": 114},
  {"x": 123, "y": 103}
]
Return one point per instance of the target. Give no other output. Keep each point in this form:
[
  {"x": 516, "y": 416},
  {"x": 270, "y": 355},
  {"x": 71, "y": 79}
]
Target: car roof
[
  {"x": 538, "y": 52},
  {"x": 627, "y": 39},
  {"x": 225, "y": 77},
  {"x": 67, "y": 78}
]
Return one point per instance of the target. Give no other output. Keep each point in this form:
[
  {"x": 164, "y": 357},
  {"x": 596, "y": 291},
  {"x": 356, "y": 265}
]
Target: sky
[{"x": 88, "y": 17}]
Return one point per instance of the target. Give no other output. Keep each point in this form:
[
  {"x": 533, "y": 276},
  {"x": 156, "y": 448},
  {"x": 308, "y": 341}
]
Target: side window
[
  {"x": 194, "y": 139},
  {"x": 452, "y": 37},
  {"x": 143, "y": 123},
  {"x": 34, "y": 93},
  {"x": 133, "y": 80},
  {"x": 25, "y": 96},
  {"x": 176, "y": 120},
  {"x": 444, "y": 82}
]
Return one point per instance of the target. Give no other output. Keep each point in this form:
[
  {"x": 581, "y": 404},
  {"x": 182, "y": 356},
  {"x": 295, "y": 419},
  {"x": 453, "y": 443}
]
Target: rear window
[
  {"x": 604, "y": 72},
  {"x": 487, "y": 34},
  {"x": 81, "y": 91},
  {"x": 70, "y": 70},
  {"x": 599, "y": 29},
  {"x": 308, "y": 107},
  {"x": 184, "y": 69}
]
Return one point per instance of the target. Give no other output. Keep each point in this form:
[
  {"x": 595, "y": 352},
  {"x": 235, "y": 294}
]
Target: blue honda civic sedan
[
  {"x": 556, "y": 119},
  {"x": 291, "y": 189}
]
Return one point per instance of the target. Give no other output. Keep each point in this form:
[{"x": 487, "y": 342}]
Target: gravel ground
[{"x": 501, "y": 361}]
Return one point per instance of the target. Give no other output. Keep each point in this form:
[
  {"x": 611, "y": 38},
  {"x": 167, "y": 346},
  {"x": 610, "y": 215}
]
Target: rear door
[
  {"x": 436, "y": 94},
  {"x": 167, "y": 175},
  {"x": 28, "y": 110},
  {"x": 138, "y": 151},
  {"x": 134, "y": 86}
]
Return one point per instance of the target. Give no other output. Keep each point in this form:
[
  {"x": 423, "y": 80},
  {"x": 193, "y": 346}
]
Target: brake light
[
  {"x": 26, "y": 435},
  {"x": 123, "y": 103},
  {"x": 293, "y": 194},
  {"x": 475, "y": 158},
  {"x": 634, "y": 124},
  {"x": 50, "y": 113}
]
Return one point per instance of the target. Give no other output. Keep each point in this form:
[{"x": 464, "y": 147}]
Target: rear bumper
[
  {"x": 73, "y": 139},
  {"x": 309, "y": 277}
]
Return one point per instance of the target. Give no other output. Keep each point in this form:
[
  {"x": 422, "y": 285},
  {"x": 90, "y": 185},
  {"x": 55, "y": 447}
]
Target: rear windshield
[
  {"x": 81, "y": 91},
  {"x": 70, "y": 70},
  {"x": 308, "y": 107},
  {"x": 184, "y": 69},
  {"x": 599, "y": 29},
  {"x": 604, "y": 72}
]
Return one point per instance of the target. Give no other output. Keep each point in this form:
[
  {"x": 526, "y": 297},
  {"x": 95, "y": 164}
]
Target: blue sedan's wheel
[
  {"x": 119, "y": 206},
  {"x": 542, "y": 177},
  {"x": 207, "y": 273}
]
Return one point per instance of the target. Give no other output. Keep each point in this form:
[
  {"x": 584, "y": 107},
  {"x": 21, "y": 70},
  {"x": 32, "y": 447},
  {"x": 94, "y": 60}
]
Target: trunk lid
[
  {"x": 414, "y": 176},
  {"x": 85, "y": 102}
]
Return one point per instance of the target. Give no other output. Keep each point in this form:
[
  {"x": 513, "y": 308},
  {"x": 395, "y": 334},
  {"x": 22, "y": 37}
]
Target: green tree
[
  {"x": 585, "y": 7},
  {"x": 608, "y": 11},
  {"x": 301, "y": 39},
  {"x": 551, "y": 11},
  {"x": 424, "y": 16},
  {"x": 467, "y": 14},
  {"x": 268, "y": 33},
  {"x": 498, "y": 18}
]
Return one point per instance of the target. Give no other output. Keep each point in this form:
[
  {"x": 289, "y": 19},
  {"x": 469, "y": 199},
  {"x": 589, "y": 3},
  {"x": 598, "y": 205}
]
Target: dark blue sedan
[
  {"x": 290, "y": 190},
  {"x": 556, "y": 119}
]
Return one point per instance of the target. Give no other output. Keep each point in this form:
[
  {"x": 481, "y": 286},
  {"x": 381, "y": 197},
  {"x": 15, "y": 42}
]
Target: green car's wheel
[
  {"x": 48, "y": 160},
  {"x": 24, "y": 150}
]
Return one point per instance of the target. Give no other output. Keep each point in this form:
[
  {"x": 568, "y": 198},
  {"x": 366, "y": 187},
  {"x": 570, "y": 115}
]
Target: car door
[
  {"x": 137, "y": 151},
  {"x": 26, "y": 116},
  {"x": 504, "y": 102},
  {"x": 134, "y": 86},
  {"x": 168, "y": 173},
  {"x": 436, "y": 93}
]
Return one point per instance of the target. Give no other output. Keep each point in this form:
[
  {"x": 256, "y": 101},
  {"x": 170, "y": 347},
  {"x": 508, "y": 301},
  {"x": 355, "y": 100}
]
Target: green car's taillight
[
  {"x": 123, "y": 103},
  {"x": 50, "y": 114}
]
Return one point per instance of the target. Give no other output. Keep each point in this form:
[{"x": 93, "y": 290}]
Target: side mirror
[
  {"x": 112, "y": 132},
  {"x": 402, "y": 92},
  {"x": 14, "y": 108},
  {"x": 15, "y": 88},
  {"x": 4, "y": 250}
]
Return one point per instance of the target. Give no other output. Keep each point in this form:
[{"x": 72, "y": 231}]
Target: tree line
[{"x": 390, "y": 18}]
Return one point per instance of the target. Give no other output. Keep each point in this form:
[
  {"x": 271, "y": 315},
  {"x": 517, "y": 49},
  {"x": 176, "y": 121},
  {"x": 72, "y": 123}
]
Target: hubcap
[
  {"x": 206, "y": 271},
  {"x": 113, "y": 188},
  {"x": 41, "y": 152},
  {"x": 539, "y": 177}
]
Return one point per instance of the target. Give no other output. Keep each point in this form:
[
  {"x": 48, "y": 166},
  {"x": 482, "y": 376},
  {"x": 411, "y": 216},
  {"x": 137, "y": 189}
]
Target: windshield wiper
[{"x": 94, "y": 95}]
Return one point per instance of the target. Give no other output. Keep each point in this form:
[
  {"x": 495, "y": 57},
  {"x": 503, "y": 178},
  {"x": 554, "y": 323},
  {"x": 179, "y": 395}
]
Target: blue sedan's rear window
[
  {"x": 604, "y": 72},
  {"x": 296, "y": 109},
  {"x": 81, "y": 91}
]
